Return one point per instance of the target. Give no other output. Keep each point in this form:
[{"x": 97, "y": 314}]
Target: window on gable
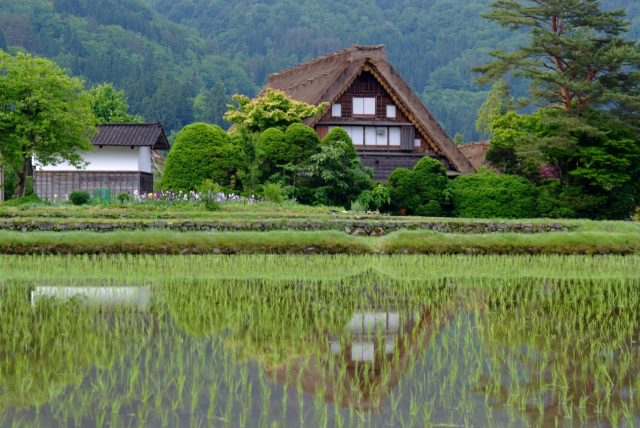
[
  {"x": 391, "y": 111},
  {"x": 364, "y": 106},
  {"x": 336, "y": 110}
]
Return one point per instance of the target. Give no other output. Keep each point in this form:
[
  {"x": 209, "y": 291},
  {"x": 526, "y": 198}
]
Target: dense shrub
[
  {"x": 431, "y": 180},
  {"x": 402, "y": 189},
  {"x": 339, "y": 134},
  {"x": 489, "y": 195},
  {"x": 430, "y": 209},
  {"x": 79, "y": 197},
  {"x": 10, "y": 183},
  {"x": 303, "y": 141},
  {"x": 200, "y": 152},
  {"x": 273, "y": 150},
  {"x": 24, "y": 200},
  {"x": 124, "y": 197},
  {"x": 420, "y": 191},
  {"x": 552, "y": 202},
  {"x": 273, "y": 192},
  {"x": 337, "y": 175}
]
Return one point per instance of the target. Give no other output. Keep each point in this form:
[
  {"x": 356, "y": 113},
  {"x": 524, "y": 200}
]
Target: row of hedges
[{"x": 427, "y": 191}]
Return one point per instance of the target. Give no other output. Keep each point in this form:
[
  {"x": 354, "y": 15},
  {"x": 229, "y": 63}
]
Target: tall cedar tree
[{"x": 576, "y": 59}]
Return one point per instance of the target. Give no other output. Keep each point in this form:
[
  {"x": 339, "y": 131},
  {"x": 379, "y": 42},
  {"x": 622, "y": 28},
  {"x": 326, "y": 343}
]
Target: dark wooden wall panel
[{"x": 57, "y": 185}]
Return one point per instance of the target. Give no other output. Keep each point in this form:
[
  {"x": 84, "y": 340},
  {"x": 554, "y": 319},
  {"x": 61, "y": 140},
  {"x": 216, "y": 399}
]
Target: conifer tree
[{"x": 577, "y": 57}]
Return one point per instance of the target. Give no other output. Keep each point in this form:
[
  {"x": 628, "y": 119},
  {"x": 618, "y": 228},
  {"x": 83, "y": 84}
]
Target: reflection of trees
[
  {"x": 267, "y": 320},
  {"x": 567, "y": 347},
  {"x": 360, "y": 367},
  {"x": 49, "y": 347},
  {"x": 350, "y": 341}
]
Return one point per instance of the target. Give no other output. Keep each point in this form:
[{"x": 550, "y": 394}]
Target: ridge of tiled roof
[{"x": 131, "y": 134}]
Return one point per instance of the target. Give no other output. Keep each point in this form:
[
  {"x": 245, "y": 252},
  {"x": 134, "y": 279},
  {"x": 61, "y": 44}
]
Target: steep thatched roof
[
  {"x": 476, "y": 152},
  {"x": 325, "y": 79},
  {"x": 132, "y": 134}
]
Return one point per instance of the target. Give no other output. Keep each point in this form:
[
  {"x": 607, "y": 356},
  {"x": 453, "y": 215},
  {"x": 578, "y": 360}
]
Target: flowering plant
[{"x": 170, "y": 197}]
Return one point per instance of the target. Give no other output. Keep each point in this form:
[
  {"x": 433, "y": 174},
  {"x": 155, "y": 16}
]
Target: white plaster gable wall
[{"x": 109, "y": 159}]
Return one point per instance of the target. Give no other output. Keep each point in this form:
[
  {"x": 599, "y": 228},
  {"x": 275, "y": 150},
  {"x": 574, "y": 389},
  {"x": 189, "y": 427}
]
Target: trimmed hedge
[
  {"x": 489, "y": 195},
  {"x": 273, "y": 150},
  {"x": 339, "y": 134},
  {"x": 302, "y": 140},
  {"x": 420, "y": 191},
  {"x": 200, "y": 152}
]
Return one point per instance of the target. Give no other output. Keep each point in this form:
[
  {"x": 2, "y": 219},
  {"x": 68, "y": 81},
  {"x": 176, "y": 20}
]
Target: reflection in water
[
  {"x": 229, "y": 353},
  {"x": 360, "y": 367},
  {"x": 114, "y": 296}
]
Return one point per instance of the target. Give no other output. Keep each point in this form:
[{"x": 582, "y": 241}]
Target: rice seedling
[{"x": 417, "y": 340}]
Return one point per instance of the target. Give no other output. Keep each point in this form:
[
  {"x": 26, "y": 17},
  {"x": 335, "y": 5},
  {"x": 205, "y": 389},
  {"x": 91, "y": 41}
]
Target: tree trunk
[{"x": 22, "y": 178}]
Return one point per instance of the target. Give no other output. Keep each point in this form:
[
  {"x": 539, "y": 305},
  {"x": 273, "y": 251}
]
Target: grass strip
[
  {"x": 426, "y": 242},
  {"x": 168, "y": 242},
  {"x": 324, "y": 242}
]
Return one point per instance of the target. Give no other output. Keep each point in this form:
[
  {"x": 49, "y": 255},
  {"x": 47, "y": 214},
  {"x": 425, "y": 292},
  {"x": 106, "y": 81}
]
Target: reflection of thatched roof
[
  {"x": 476, "y": 152},
  {"x": 353, "y": 390},
  {"x": 325, "y": 79}
]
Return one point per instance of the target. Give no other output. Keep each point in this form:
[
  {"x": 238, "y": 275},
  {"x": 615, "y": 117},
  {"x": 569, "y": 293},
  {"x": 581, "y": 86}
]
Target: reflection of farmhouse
[
  {"x": 121, "y": 162},
  {"x": 378, "y": 349},
  {"x": 389, "y": 125}
]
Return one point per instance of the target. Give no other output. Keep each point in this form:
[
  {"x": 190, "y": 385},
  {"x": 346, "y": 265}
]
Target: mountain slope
[{"x": 169, "y": 54}]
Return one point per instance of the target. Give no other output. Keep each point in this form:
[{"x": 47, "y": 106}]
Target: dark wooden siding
[
  {"x": 407, "y": 137},
  {"x": 366, "y": 85},
  {"x": 384, "y": 164},
  {"x": 57, "y": 185}
]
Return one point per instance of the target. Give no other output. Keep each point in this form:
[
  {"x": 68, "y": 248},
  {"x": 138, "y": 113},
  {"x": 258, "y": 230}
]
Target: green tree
[
  {"x": 215, "y": 105},
  {"x": 421, "y": 190},
  {"x": 499, "y": 102},
  {"x": 43, "y": 113},
  {"x": 249, "y": 173},
  {"x": 339, "y": 134},
  {"x": 110, "y": 105},
  {"x": 201, "y": 152},
  {"x": 489, "y": 195},
  {"x": 273, "y": 110},
  {"x": 576, "y": 58},
  {"x": 586, "y": 79},
  {"x": 337, "y": 174},
  {"x": 273, "y": 150}
]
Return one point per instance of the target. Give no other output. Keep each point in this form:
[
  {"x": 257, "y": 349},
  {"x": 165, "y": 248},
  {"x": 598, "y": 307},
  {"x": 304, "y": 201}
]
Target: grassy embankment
[{"x": 589, "y": 237}]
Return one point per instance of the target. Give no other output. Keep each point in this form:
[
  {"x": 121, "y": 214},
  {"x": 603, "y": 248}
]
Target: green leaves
[
  {"x": 43, "y": 113},
  {"x": 273, "y": 110},
  {"x": 110, "y": 105},
  {"x": 576, "y": 58}
]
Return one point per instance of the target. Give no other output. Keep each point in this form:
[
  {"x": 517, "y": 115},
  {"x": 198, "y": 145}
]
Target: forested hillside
[
  {"x": 168, "y": 71},
  {"x": 180, "y": 60}
]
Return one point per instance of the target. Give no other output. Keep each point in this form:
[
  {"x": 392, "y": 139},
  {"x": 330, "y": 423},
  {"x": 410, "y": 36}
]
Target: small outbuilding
[
  {"x": 121, "y": 163},
  {"x": 388, "y": 124}
]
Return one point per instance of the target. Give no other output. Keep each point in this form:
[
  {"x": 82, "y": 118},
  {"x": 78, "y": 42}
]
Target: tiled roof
[
  {"x": 131, "y": 134},
  {"x": 326, "y": 78}
]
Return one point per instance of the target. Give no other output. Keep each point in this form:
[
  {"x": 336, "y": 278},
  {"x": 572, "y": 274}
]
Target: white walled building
[{"x": 121, "y": 163}]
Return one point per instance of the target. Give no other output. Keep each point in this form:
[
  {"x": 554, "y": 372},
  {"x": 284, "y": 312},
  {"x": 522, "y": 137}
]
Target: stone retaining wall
[{"x": 353, "y": 227}]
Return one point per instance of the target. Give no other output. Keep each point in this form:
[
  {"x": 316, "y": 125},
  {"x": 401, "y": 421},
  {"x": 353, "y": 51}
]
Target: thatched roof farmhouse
[{"x": 387, "y": 122}]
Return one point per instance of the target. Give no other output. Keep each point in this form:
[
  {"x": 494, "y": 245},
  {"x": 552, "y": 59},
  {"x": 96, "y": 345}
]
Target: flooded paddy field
[{"x": 337, "y": 341}]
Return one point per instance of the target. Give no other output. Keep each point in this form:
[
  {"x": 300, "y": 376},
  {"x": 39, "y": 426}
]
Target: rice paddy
[{"x": 326, "y": 341}]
